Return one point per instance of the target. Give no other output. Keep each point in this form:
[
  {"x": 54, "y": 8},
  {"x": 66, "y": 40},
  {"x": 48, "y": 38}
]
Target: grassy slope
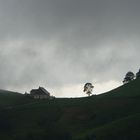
[{"x": 110, "y": 116}]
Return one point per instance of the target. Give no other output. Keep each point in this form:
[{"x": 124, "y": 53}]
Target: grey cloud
[
  {"x": 52, "y": 18},
  {"x": 58, "y": 42}
]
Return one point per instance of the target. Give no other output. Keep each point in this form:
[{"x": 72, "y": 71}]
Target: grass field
[{"x": 114, "y": 115}]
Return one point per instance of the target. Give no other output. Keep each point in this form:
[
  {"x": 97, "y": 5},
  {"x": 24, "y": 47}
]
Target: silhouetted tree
[
  {"x": 138, "y": 74},
  {"x": 128, "y": 77},
  {"x": 88, "y": 88}
]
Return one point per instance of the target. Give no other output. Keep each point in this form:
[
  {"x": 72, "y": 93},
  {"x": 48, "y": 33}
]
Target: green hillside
[{"x": 114, "y": 115}]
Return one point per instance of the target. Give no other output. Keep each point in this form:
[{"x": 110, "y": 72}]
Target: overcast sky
[{"x": 62, "y": 44}]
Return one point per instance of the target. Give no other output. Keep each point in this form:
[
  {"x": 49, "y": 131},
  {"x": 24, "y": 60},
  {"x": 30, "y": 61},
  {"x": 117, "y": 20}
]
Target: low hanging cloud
[{"x": 67, "y": 42}]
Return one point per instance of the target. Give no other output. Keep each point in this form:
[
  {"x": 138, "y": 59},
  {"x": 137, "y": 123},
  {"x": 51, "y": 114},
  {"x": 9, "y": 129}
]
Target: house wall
[{"x": 41, "y": 97}]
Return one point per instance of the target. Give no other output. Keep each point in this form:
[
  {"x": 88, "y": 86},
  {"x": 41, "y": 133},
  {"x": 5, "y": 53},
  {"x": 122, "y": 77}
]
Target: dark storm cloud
[{"x": 57, "y": 42}]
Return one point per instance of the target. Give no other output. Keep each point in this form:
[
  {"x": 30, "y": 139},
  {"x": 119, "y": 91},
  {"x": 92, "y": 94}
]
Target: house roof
[{"x": 39, "y": 91}]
